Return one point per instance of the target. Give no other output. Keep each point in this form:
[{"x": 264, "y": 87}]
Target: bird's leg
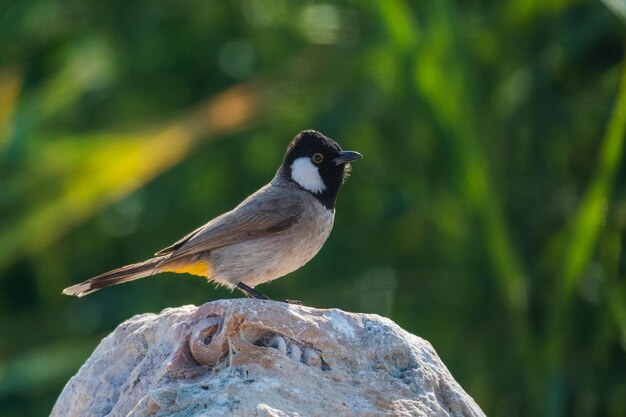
[{"x": 251, "y": 292}]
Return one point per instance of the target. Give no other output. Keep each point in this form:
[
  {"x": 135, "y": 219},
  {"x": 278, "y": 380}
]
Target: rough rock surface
[{"x": 262, "y": 358}]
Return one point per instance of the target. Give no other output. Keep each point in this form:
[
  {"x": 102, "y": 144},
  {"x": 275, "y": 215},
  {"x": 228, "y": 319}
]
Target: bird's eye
[{"x": 317, "y": 158}]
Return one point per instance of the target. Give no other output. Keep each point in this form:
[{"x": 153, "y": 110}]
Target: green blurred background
[{"x": 488, "y": 215}]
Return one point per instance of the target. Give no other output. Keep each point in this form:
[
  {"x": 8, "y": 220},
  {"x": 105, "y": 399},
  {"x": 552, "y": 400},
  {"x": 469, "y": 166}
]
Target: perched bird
[{"x": 273, "y": 232}]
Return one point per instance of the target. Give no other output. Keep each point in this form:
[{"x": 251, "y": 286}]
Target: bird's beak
[{"x": 347, "y": 156}]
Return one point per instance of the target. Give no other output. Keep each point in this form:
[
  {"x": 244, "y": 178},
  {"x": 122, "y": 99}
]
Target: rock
[{"x": 249, "y": 357}]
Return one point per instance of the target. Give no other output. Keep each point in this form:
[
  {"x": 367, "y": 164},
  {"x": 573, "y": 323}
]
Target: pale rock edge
[{"x": 249, "y": 357}]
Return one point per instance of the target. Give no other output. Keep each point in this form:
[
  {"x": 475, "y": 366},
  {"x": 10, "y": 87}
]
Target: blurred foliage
[{"x": 488, "y": 215}]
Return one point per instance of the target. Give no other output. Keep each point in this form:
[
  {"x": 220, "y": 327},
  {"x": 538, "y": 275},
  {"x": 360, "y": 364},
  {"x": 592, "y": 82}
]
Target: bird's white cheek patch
[{"x": 307, "y": 175}]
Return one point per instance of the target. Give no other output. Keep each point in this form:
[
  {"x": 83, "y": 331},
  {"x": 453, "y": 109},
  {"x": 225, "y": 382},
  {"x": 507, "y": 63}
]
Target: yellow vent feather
[{"x": 200, "y": 268}]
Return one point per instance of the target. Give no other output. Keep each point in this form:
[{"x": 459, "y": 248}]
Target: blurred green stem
[
  {"x": 582, "y": 237},
  {"x": 590, "y": 217}
]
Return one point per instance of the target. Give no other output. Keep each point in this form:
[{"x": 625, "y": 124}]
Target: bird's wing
[
  {"x": 268, "y": 211},
  {"x": 176, "y": 245}
]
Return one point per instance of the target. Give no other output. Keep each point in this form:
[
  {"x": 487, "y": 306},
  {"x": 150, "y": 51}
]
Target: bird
[{"x": 273, "y": 232}]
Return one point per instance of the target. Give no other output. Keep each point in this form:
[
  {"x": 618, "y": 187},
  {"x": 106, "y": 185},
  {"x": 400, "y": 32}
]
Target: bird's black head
[{"x": 317, "y": 164}]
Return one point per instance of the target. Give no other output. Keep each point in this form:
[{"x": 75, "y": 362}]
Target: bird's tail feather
[{"x": 117, "y": 276}]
